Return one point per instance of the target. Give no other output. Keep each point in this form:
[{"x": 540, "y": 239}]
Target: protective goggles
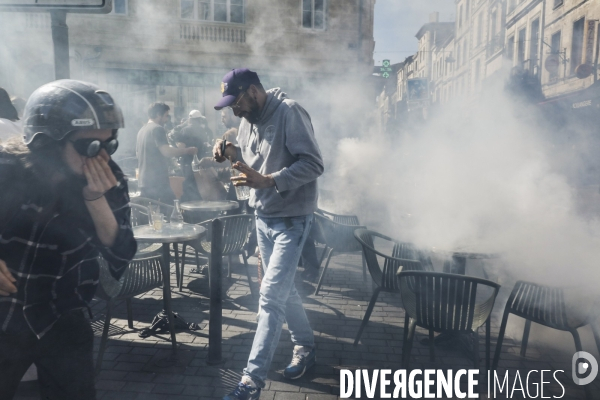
[{"x": 91, "y": 147}]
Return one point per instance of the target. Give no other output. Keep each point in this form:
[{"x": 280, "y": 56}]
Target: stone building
[
  {"x": 570, "y": 40},
  {"x": 177, "y": 51}
]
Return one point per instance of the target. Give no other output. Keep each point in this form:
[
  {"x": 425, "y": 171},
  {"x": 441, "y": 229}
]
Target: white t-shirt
[{"x": 10, "y": 128}]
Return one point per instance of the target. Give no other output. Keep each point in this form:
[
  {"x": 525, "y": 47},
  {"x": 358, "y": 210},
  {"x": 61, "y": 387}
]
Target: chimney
[{"x": 434, "y": 17}]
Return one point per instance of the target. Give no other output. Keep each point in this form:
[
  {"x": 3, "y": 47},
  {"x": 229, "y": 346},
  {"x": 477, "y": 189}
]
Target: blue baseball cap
[{"x": 235, "y": 82}]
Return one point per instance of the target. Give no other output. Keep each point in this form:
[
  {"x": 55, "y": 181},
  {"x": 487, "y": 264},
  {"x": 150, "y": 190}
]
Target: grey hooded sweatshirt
[{"x": 282, "y": 144}]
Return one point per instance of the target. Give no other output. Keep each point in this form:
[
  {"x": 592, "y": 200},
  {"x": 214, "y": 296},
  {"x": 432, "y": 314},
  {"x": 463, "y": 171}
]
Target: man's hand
[
  {"x": 100, "y": 178},
  {"x": 7, "y": 281},
  {"x": 251, "y": 178},
  {"x": 191, "y": 150},
  {"x": 230, "y": 151}
]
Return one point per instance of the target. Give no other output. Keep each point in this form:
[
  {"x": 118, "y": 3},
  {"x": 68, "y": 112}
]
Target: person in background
[
  {"x": 231, "y": 125},
  {"x": 19, "y": 104},
  {"x": 169, "y": 124},
  {"x": 279, "y": 158},
  {"x": 195, "y": 133},
  {"x": 153, "y": 154},
  {"x": 10, "y": 125},
  {"x": 64, "y": 203}
]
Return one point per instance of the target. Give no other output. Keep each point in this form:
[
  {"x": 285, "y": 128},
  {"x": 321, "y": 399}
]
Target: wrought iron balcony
[{"x": 202, "y": 31}]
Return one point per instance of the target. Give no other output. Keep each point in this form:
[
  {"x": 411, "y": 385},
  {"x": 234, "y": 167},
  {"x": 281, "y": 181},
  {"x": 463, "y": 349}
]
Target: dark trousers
[{"x": 63, "y": 357}]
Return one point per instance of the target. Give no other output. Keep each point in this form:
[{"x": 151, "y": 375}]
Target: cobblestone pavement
[{"x": 129, "y": 370}]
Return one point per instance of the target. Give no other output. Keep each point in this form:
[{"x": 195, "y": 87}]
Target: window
[
  {"x": 465, "y": 57},
  {"x": 494, "y": 22},
  {"x": 555, "y": 43},
  {"x": 535, "y": 41},
  {"x": 510, "y": 48},
  {"x": 313, "y": 14},
  {"x": 213, "y": 10},
  {"x": 577, "y": 44},
  {"x": 479, "y": 28},
  {"x": 460, "y": 14},
  {"x": 558, "y": 3},
  {"x": 477, "y": 71},
  {"x": 521, "y": 47},
  {"x": 555, "y": 49},
  {"x": 119, "y": 7}
]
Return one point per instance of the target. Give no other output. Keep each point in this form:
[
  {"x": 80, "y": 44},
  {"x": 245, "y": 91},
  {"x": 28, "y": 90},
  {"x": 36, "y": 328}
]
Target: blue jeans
[{"x": 280, "y": 241}]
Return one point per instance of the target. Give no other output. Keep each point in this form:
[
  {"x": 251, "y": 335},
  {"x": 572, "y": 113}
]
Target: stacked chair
[
  {"x": 393, "y": 254},
  {"x": 336, "y": 231}
]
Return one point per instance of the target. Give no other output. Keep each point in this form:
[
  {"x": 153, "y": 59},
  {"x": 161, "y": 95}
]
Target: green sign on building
[{"x": 386, "y": 69}]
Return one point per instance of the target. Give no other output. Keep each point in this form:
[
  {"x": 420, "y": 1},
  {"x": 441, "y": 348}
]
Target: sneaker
[
  {"x": 302, "y": 360},
  {"x": 245, "y": 390}
]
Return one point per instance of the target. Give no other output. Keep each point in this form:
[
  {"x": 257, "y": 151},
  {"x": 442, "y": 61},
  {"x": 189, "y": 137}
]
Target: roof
[{"x": 434, "y": 26}]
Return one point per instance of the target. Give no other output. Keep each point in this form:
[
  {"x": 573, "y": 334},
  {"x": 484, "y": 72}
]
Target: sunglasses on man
[{"x": 90, "y": 148}]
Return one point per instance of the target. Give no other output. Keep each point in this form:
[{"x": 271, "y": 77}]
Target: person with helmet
[
  {"x": 64, "y": 202},
  {"x": 153, "y": 153},
  {"x": 194, "y": 133}
]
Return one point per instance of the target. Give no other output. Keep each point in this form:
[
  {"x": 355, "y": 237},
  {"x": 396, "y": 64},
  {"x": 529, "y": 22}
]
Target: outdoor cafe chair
[
  {"x": 447, "y": 303},
  {"x": 393, "y": 254},
  {"x": 139, "y": 216},
  {"x": 337, "y": 232},
  {"x": 235, "y": 237},
  {"x": 141, "y": 275},
  {"x": 543, "y": 305}
]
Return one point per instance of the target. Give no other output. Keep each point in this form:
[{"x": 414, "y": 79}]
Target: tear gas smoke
[{"x": 483, "y": 175}]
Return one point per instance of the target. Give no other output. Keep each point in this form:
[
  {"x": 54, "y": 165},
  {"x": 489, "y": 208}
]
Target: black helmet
[{"x": 64, "y": 106}]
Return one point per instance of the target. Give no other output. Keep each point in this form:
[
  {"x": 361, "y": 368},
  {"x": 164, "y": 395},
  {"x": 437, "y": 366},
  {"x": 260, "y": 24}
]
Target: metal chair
[
  {"x": 402, "y": 254},
  {"x": 543, "y": 305},
  {"x": 139, "y": 216},
  {"x": 142, "y": 275},
  {"x": 235, "y": 236},
  {"x": 337, "y": 231},
  {"x": 442, "y": 302}
]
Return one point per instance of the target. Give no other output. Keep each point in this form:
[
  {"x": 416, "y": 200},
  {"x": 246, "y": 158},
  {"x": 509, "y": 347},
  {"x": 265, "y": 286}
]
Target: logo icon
[
  {"x": 223, "y": 87},
  {"x": 584, "y": 368},
  {"x": 82, "y": 122}
]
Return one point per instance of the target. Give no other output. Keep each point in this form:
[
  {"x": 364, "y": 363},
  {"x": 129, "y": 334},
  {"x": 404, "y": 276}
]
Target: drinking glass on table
[
  {"x": 157, "y": 221},
  {"x": 153, "y": 209}
]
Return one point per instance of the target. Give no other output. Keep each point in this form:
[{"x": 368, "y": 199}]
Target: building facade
[
  {"x": 541, "y": 49},
  {"x": 177, "y": 51}
]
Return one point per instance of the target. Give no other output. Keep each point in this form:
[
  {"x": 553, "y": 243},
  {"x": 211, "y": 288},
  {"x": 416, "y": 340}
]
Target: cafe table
[
  {"x": 203, "y": 210},
  {"x": 167, "y": 235},
  {"x": 458, "y": 265}
]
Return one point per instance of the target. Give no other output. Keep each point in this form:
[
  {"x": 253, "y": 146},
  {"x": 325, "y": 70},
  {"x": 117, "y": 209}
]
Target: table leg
[
  {"x": 458, "y": 265},
  {"x": 166, "y": 270}
]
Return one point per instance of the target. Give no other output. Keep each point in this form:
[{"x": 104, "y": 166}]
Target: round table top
[
  {"x": 168, "y": 234},
  {"x": 469, "y": 253},
  {"x": 220, "y": 205}
]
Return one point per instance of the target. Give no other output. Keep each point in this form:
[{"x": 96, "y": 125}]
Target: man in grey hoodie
[{"x": 279, "y": 158}]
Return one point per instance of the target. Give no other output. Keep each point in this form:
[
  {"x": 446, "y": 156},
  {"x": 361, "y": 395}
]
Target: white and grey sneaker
[{"x": 302, "y": 359}]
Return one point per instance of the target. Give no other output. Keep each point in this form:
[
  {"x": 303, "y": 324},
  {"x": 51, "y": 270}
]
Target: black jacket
[{"x": 49, "y": 243}]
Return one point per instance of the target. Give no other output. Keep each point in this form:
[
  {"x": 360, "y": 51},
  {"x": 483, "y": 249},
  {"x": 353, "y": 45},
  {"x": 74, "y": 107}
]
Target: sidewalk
[{"x": 129, "y": 370}]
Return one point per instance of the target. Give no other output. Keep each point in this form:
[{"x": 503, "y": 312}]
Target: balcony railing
[
  {"x": 496, "y": 44},
  {"x": 37, "y": 20},
  {"x": 213, "y": 33}
]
